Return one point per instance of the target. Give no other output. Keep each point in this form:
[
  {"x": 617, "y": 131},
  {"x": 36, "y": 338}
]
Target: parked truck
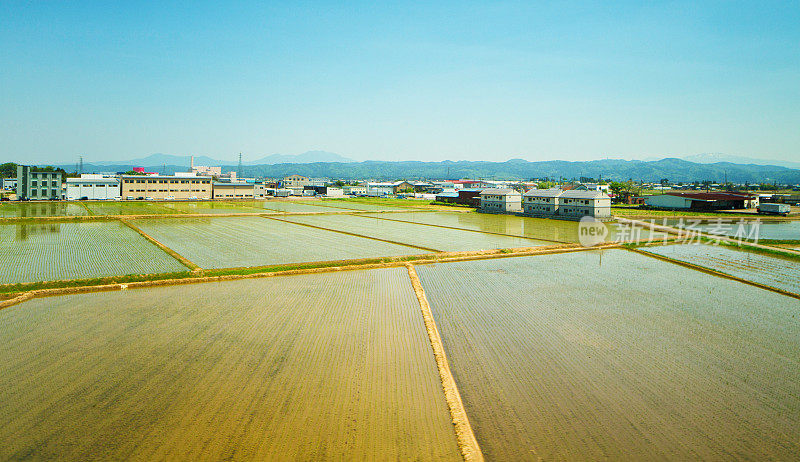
[{"x": 774, "y": 209}]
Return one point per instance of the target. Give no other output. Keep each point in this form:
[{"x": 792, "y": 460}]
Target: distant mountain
[
  {"x": 308, "y": 157},
  {"x": 675, "y": 170},
  {"x": 167, "y": 159},
  {"x": 161, "y": 159},
  {"x": 715, "y": 157}
]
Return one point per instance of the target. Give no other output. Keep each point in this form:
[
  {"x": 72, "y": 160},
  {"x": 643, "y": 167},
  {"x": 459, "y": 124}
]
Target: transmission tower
[{"x": 239, "y": 170}]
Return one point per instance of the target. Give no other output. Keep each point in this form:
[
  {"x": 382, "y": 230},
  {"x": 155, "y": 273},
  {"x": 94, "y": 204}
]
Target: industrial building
[
  {"x": 38, "y": 185},
  {"x": 702, "y": 201},
  {"x": 136, "y": 187},
  {"x": 233, "y": 190},
  {"x": 571, "y": 204},
  {"x": 500, "y": 201},
  {"x": 93, "y": 187}
]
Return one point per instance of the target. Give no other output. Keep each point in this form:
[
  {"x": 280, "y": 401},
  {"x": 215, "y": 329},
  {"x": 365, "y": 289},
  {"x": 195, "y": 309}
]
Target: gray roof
[
  {"x": 500, "y": 192},
  {"x": 581, "y": 194},
  {"x": 544, "y": 193}
]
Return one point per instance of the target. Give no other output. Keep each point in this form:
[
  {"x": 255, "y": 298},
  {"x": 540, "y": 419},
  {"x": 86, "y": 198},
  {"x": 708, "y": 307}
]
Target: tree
[
  {"x": 8, "y": 170},
  {"x": 545, "y": 185}
]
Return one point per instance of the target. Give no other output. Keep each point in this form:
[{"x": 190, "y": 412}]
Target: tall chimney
[{"x": 191, "y": 164}]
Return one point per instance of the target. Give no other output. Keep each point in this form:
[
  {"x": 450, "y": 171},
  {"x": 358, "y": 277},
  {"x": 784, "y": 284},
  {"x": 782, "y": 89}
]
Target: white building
[
  {"x": 557, "y": 203},
  {"x": 381, "y": 189},
  {"x": 9, "y": 183},
  {"x": 354, "y": 190},
  {"x": 93, "y": 187},
  {"x": 500, "y": 201}
]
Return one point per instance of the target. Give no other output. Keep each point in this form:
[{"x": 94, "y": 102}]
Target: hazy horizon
[{"x": 455, "y": 80}]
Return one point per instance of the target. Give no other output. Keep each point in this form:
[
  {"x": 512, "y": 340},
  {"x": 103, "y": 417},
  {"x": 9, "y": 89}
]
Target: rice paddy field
[
  {"x": 228, "y": 242},
  {"x": 128, "y": 208},
  {"x": 442, "y": 239},
  {"x": 41, "y": 209},
  {"x": 771, "y": 229},
  {"x": 526, "y": 227},
  {"x": 355, "y": 205},
  {"x": 56, "y": 251},
  {"x": 615, "y": 355},
  {"x": 298, "y": 206},
  {"x": 216, "y": 207},
  {"x": 764, "y": 269},
  {"x": 328, "y": 366}
]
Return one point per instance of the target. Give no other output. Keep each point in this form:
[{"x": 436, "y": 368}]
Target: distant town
[{"x": 542, "y": 197}]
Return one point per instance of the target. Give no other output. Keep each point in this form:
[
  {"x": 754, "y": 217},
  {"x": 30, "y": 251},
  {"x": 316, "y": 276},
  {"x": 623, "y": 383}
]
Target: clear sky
[{"x": 458, "y": 80}]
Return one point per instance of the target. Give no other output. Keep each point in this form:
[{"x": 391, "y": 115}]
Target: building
[
  {"x": 93, "y": 187},
  {"x": 238, "y": 190},
  {"x": 500, "y": 201},
  {"x": 570, "y": 204},
  {"x": 203, "y": 170},
  {"x": 295, "y": 181},
  {"x": 381, "y": 189},
  {"x": 138, "y": 187},
  {"x": 329, "y": 191},
  {"x": 701, "y": 201},
  {"x": 38, "y": 185},
  {"x": 9, "y": 184},
  {"x": 354, "y": 190},
  {"x": 470, "y": 197}
]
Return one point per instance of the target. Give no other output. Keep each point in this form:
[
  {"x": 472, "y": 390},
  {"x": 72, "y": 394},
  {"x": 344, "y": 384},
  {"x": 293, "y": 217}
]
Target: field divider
[
  {"x": 427, "y": 249},
  {"x": 183, "y": 260},
  {"x": 471, "y": 230},
  {"x": 467, "y": 442},
  {"x": 713, "y": 272},
  {"x": 88, "y": 210}
]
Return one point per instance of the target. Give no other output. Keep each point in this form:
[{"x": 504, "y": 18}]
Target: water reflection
[{"x": 23, "y": 231}]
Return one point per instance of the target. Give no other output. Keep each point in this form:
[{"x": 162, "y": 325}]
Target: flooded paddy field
[
  {"x": 302, "y": 206},
  {"x": 41, "y": 209},
  {"x": 355, "y": 205},
  {"x": 748, "y": 229},
  {"x": 199, "y": 207},
  {"x": 327, "y": 366},
  {"x": 227, "y": 242},
  {"x": 128, "y": 208},
  {"x": 443, "y": 239},
  {"x": 765, "y": 269},
  {"x": 615, "y": 355},
  {"x": 526, "y": 227},
  {"x": 50, "y": 251}
]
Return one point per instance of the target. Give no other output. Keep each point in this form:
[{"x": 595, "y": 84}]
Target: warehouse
[
  {"x": 93, "y": 187},
  {"x": 233, "y": 190},
  {"x": 701, "y": 201}
]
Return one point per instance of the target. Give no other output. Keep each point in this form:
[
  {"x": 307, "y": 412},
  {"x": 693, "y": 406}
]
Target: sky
[{"x": 462, "y": 80}]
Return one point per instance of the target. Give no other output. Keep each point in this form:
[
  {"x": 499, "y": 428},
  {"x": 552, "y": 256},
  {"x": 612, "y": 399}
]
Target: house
[
  {"x": 500, "y": 201},
  {"x": 93, "y": 187},
  {"x": 702, "y": 201},
  {"x": 38, "y": 185},
  {"x": 570, "y": 204},
  {"x": 166, "y": 187}
]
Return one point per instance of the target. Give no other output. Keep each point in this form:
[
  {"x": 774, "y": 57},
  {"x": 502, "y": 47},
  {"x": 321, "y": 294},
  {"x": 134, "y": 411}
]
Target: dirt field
[
  {"x": 589, "y": 356},
  {"x": 331, "y": 366}
]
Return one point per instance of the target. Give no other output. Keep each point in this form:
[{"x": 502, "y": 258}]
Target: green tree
[{"x": 8, "y": 170}]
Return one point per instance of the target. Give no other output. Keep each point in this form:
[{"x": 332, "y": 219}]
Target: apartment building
[
  {"x": 494, "y": 200},
  {"x": 38, "y": 185},
  {"x": 572, "y": 204},
  {"x": 166, "y": 187}
]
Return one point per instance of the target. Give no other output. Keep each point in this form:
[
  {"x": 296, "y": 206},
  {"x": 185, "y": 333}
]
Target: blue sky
[{"x": 568, "y": 80}]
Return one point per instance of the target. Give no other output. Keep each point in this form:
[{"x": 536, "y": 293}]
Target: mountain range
[
  {"x": 168, "y": 159},
  {"x": 675, "y": 170}
]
